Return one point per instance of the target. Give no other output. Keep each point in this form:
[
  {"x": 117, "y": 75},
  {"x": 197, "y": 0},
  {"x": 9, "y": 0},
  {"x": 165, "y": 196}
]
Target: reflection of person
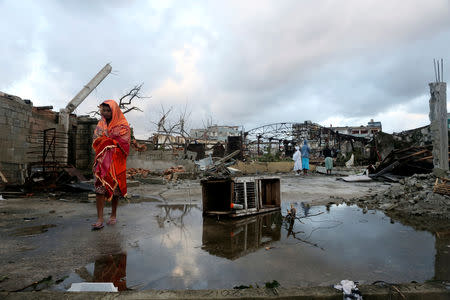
[
  {"x": 111, "y": 145},
  {"x": 112, "y": 268},
  {"x": 305, "y": 207},
  {"x": 328, "y": 159},
  {"x": 305, "y": 157},
  {"x": 297, "y": 158}
]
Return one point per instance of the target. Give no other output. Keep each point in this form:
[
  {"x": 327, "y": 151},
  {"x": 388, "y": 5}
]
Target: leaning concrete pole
[
  {"x": 73, "y": 104},
  {"x": 85, "y": 91},
  {"x": 438, "y": 126}
]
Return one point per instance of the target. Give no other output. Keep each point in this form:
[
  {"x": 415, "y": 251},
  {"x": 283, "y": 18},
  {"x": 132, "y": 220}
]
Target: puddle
[
  {"x": 186, "y": 251},
  {"x": 33, "y": 230}
]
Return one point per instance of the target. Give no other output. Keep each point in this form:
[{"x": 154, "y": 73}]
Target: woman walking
[{"x": 111, "y": 145}]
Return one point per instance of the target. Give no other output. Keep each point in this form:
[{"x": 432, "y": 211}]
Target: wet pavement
[
  {"x": 335, "y": 243},
  {"x": 167, "y": 244}
]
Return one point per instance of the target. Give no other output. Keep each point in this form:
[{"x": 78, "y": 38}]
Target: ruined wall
[
  {"x": 85, "y": 154},
  {"x": 21, "y": 136},
  {"x": 157, "y": 160},
  {"x": 21, "y": 127},
  {"x": 15, "y": 115}
]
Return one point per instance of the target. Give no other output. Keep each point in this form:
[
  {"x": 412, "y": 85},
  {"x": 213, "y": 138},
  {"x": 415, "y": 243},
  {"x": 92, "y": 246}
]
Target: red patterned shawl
[{"x": 112, "y": 145}]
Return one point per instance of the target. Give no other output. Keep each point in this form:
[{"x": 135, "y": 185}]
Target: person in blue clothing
[{"x": 305, "y": 157}]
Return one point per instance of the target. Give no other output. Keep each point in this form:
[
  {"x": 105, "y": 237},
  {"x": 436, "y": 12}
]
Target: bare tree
[
  {"x": 126, "y": 100},
  {"x": 168, "y": 127}
]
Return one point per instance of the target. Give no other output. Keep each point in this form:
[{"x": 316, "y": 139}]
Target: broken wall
[
  {"x": 21, "y": 126},
  {"x": 157, "y": 160},
  {"x": 85, "y": 154},
  {"x": 15, "y": 117},
  {"x": 21, "y": 137},
  {"x": 386, "y": 142}
]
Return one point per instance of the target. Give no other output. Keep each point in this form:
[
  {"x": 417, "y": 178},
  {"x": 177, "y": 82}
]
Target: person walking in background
[
  {"x": 297, "y": 157},
  {"x": 112, "y": 145},
  {"x": 328, "y": 159},
  {"x": 305, "y": 157}
]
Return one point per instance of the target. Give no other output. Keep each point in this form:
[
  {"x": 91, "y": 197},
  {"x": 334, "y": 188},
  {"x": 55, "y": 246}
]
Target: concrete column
[{"x": 438, "y": 126}]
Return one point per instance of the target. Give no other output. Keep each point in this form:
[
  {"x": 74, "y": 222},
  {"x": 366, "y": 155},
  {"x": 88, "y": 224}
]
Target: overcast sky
[{"x": 246, "y": 63}]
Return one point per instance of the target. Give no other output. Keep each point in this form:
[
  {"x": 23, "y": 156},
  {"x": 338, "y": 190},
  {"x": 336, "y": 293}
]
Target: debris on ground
[
  {"x": 412, "y": 196},
  {"x": 139, "y": 172},
  {"x": 357, "y": 178},
  {"x": 405, "y": 162},
  {"x": 442, "y": 186},
  {"x": 349, "y": 289},
  {"x": 169, "y": 173},
  {"x": 220, "y": 167}
]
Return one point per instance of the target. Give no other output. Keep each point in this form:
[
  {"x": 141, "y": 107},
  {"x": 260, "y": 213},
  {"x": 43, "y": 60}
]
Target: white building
[{"x": 215, "y": 132}]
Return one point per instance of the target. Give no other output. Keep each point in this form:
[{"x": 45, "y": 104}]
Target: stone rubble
[{"x": 412, "y": 196}]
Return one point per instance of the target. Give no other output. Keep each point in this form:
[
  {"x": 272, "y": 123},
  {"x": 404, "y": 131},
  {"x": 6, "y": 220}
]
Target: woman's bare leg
[
  {"x": 100, "y": 202},
  {"x": 114, "y": 202}
]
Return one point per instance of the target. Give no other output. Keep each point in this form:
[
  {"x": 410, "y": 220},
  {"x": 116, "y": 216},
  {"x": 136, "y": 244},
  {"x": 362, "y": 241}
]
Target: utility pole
[
  {"x": 79, "y": 98},
  {"x": 438, "y": 121}
]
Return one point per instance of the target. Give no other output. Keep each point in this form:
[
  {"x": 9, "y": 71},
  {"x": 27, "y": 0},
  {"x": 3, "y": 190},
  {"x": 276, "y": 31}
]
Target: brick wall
[
  {"x": 21, "y": 127},
  {"x": 84, "y": 153},
  {"x": 15, "y": 116}
]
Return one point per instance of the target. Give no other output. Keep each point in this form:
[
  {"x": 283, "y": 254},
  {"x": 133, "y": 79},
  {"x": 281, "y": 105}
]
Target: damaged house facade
[
  {"x": 38, "y": 143},
  {"x": 33, "y": 138}
]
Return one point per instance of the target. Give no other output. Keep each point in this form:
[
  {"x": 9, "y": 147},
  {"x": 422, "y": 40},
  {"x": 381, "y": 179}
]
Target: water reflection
[
  {"x": 442, "y": 259},
  {"x": 178, "y": 249},
  {"x": 235, "y": 238},
  {"x": 174, "y": 214},
  {"x": 112, "y": 268}
]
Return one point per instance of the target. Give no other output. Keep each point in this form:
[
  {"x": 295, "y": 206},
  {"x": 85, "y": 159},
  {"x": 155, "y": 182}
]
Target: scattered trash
[
  {"x": 357, "y": 178},
  {"x": 81, "y": 187},
  {"x": 349, "y": 289},
  {"x": 236, "y": 206},
  {"x": 442, "y": 186},
  {"x": 139, "y": 172},
  {"x": 93, "y": 287},
  {"x": 242, "y": 287},
  {"x": 406, "y": 162},
  {"x": 350, "y": 162},
  {"x": 272, "y": 285},
  {"x": 37, "y": 285},
  {"x": 28, "y": 231},
  {"x": 3, "y": 178},
  {"x": 169, "y": 173},
  {"x": 204, "y": 163}
]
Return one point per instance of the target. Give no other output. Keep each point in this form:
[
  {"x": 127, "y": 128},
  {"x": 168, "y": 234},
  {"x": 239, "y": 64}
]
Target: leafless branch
[
  {"x": 133, "y": 94},
  {"x": 125, "y": 101},
  {"x": 169, "y": 127}
]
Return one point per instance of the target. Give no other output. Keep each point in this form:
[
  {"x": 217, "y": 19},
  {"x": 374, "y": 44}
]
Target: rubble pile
[
  {"x": 412, "y": 196},
  {"x": 169, "y": 173},
  {"x": 139, "y": 172}
]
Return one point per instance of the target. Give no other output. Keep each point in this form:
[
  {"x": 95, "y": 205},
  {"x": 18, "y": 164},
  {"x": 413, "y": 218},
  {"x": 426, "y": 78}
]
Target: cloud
[{"x": 246, "y": 63}]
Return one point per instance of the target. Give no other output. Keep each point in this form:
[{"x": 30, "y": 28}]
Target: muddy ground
[{"x": 48, "y": 234}]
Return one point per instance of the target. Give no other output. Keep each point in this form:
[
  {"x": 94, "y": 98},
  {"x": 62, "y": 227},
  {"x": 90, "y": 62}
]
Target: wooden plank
[
  {"x": 3, "y": 177},
  {"x": 414, "y": 154}
]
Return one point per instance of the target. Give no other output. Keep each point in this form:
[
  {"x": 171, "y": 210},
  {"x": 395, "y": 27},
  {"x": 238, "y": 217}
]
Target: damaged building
[{"x": 33, "y": 139}]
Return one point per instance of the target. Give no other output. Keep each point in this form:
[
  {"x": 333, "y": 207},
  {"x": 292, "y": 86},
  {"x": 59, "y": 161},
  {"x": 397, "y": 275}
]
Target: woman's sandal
[
  {"x": 112, "y": 221},
  {"x": 97, "y": 226}
]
